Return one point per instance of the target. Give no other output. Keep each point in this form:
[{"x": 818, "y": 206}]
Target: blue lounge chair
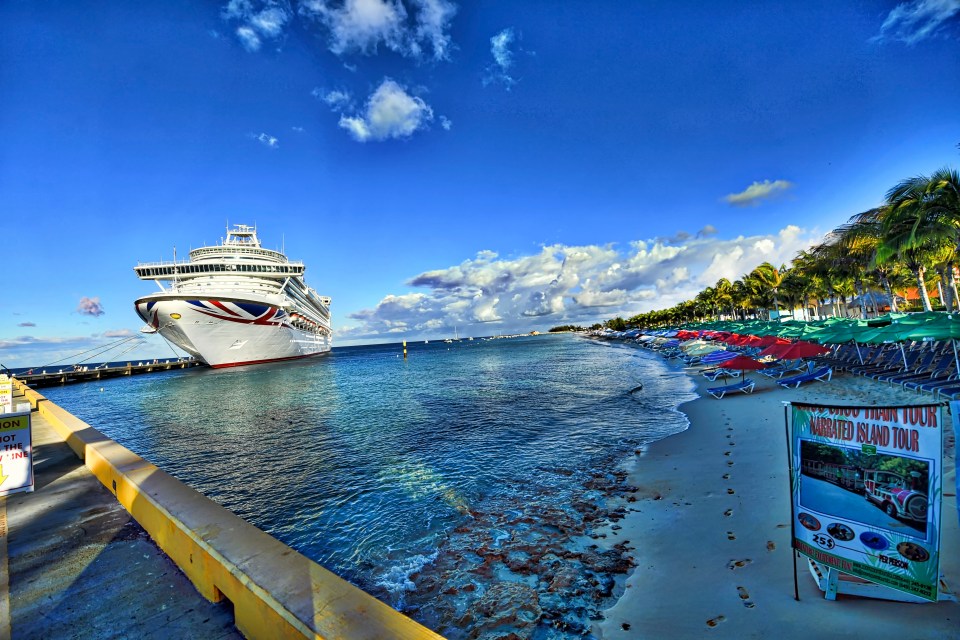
[
  {"x": 713, "y": 374},
  {"x": 823, "y": 374},
  {"x": 746, "y": 386}
]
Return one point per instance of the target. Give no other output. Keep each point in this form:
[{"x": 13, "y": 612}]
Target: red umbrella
[
  {"x": 742, "y": 363},
  {"x": 803, "y": 350},
  {"x": 767, "y": 341},
  {"x": 775, "y": 350}
]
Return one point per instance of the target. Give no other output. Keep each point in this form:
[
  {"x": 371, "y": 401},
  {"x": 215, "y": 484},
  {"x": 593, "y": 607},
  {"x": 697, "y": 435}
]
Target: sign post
[
  {"x": 866, "y": 498},
  {"x": 16, "y": 453}
]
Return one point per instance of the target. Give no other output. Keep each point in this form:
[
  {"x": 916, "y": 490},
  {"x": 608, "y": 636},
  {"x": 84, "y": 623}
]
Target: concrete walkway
[{"x": 74, "y": 563}]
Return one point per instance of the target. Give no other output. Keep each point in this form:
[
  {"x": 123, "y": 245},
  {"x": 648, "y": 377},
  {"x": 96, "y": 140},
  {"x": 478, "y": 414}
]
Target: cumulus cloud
[
  {"x": 758, "y": 192},
  {"x": 90, "y": 307},
  {"x": 911, "y": 22},
  {"x": 410, "y": 29},
  {"x": 27, "y": 324},
  {"x": 390, "y": 113},
  {"x": 257, "y": 21},
  {"x": 267, "y": 140},
  {"x": 446, "y": 123},
  {"x": 563, "y": 284}
]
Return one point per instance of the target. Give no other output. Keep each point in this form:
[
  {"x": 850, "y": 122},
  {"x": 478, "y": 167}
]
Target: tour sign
[{"x": 16, "y": 453}]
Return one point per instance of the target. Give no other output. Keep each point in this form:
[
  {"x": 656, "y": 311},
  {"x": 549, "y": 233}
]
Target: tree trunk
[
  {"x": 858, "y": 288},
  {"x": 889, "y": 290},
  {"x": 952, "y": 280},
  {"x": 876, "y": 307},
  {"x": 922, "y": 288},
  {"x": 946, "y": 298}
]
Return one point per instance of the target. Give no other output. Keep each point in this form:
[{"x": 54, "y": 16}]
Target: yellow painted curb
[{"x": 275, "y": 591}]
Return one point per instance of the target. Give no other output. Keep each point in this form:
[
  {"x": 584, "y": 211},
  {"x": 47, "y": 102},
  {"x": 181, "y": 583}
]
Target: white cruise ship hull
[{"x": 229, "y": 331}]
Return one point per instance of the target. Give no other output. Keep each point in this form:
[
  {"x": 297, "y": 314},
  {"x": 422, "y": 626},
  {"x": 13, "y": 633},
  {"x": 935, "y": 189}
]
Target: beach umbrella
[
  {"x": 774, "y": 350},
  {"x": 743, "y": 363},
  {"x": 945, "y": 327},
  {"x": 803, "y": 350},
  {"x": 770, "y": 339},
  {"x": 703, "y": 349}
]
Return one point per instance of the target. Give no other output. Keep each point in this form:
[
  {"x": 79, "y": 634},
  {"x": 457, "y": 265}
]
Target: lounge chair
[
  {"x": 713, "y": 374},
  {"x": 746, "y": 386},
  {"x": 784, "y": 367},
  {"x": 822, "y": 374}
]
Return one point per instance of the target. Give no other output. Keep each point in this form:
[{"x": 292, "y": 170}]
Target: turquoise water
[{"x": 468, "y": 481}]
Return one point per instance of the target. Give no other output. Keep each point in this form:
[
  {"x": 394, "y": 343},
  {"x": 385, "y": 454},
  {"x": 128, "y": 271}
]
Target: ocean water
[{"x": 468, "y": 486}]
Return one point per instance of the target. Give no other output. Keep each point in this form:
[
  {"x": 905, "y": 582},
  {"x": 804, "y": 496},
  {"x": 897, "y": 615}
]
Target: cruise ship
[{"x": 235, "y": 304}]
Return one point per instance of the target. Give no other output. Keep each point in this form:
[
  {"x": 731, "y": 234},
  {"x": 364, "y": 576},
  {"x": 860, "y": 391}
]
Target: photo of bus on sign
[{"x": 898, "y": 496}]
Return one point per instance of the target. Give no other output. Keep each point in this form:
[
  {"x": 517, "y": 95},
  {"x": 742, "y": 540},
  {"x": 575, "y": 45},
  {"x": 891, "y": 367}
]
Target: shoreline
[{"x": 711, "y": 529}]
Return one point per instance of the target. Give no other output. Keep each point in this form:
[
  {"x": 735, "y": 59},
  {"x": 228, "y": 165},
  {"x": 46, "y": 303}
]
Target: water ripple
[{"x": 396, "y": 474}]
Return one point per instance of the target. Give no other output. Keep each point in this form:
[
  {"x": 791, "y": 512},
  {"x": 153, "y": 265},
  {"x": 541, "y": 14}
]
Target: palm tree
[
  {"x": 724, "y": 295},
  {"x": 769, "y": 277},
  {"x": 921, "y": 217}
]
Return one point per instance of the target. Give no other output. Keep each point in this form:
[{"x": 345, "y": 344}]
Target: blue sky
[{"x": 494, "y": 167}]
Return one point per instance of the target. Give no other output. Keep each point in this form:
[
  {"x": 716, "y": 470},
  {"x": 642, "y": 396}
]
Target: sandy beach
[{"x": 711, "y": 530}]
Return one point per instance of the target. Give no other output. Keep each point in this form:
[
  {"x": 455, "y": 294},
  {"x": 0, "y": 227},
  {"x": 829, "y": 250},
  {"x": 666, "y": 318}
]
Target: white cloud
[
  {"x": 336, "y": 99},
  {"x": 911, "y": 22},
  {"x": 248, "y": 38},
  {"x": 257, "y": 20},
  {"x": 267, "y": 140},
  {"x": 364, "y": 25},
  {"x": 757, "y": 192},
  {"x": 502, "y": 58},
  {"x": 570, "y": 284},
  {"x": 390, "y": 113},
  {"x": 446, "y": 123},
  {"x": 90, "y": 307}
]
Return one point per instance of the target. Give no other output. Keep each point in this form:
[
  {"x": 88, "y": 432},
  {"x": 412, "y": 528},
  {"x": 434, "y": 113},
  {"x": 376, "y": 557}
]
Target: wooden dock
[{"x": 48, "y": 378}]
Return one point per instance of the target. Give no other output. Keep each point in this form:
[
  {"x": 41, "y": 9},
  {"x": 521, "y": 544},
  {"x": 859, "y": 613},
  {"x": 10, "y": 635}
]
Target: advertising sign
[
  {"x": 867, "y": 492},
  {"x": 6, "y": 394},
  {"x": 16, "y": 453}
]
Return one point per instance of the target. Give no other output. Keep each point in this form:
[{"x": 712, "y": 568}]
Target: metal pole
[{"x": 793, "y": 536}]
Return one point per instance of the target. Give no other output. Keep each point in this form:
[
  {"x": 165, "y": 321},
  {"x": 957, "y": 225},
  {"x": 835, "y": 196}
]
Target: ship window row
[{"x": 219, "y": 268}]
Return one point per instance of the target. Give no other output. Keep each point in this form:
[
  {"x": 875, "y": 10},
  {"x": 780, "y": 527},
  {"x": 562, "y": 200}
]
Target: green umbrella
[{"x": 944, "y": 327}]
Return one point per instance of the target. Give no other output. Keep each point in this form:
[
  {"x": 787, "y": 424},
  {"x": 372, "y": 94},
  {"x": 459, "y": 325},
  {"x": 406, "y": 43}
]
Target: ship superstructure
[{"x": 236, "y": 303}]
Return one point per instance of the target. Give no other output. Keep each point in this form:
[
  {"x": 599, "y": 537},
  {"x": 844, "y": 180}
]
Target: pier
[
  {"x": 65, "y": 375},
  {"x": 95, "y": 551}
]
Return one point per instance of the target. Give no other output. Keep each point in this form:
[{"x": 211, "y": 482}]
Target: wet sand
[{"x": 711, "y": 530}]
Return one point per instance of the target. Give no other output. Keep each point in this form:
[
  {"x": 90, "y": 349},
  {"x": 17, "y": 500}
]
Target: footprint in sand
[
  {"x": 771, "y": 545},
  {"x": 731, "y": 491},
  {"x": 728, "y": 512},
  {"x": 738, "y": 564},
  {"x": 730, "y": 536},
  {"x": 726, "y": 453},
  {"x": 726, "y": 476},
  {"x": 712, "y": 622},
  {"x": 745, "y": 597},
  {"x": 729, "y": 463},
  {"x": 782, "y": 526}
]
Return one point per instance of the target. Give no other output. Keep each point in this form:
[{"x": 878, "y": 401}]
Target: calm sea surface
[{"x": 468, "y": 481}]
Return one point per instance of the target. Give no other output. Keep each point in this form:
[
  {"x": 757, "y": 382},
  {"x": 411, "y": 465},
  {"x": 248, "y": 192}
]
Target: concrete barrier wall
[{"x": 275, "y": 591}]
